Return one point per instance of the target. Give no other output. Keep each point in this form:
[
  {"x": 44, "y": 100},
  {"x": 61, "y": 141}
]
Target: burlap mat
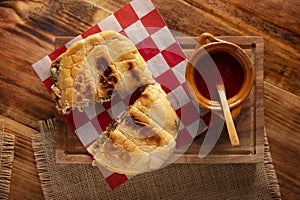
[
  {"x": 7, "y": 144},
  {"x": 177, "y": 181}
]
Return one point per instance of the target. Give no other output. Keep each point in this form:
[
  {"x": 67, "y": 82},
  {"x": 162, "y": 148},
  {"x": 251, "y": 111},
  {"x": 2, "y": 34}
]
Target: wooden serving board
[{"x": 249, "y": 123}]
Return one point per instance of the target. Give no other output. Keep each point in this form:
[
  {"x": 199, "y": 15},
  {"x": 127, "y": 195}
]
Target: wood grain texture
[
  {"x": 25, "y": 183},
  {"x": 28, "y": 29},
  {"x": 282, "y": 117}
]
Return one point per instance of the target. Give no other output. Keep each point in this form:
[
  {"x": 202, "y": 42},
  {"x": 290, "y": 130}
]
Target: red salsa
[{"x": 216, "y": 68}]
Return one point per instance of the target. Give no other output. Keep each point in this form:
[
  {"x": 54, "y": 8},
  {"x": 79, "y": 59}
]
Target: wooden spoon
[{"x": 234, "y": 139}]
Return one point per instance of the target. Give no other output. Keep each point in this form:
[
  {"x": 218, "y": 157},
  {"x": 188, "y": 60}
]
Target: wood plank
[
  {"x": 282, "y": 117},
  {"x": 25, "y": 183},
  {"x": 250, "y": 124},
  {"x": 68, "y": 147}
]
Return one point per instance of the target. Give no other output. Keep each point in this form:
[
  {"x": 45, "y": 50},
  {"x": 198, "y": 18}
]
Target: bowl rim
[{"x": 240, "y": 55}]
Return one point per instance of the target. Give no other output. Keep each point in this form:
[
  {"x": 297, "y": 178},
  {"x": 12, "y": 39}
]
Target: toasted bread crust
[
  {"x": 92, "y": 69},
  {"x": 139, "y": 138}
]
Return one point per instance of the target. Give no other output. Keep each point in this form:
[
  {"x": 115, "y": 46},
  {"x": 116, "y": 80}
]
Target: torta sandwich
[
  {"x": 92, "y": 69},
  {"x": 139, "y": 140},
  {"x": 142, "y": 137}
]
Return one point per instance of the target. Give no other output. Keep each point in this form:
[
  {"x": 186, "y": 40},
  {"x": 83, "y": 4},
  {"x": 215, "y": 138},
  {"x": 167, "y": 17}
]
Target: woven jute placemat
[
  {"x": 7, "y": 144},
  {"x": 177, "y": 181}
]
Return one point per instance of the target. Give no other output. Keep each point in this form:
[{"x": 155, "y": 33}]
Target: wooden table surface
[{"x": 29, "y": 28}]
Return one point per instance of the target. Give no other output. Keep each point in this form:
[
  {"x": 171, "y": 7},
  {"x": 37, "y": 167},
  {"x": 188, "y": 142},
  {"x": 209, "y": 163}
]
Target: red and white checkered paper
[{"x": 142, "y": 24}]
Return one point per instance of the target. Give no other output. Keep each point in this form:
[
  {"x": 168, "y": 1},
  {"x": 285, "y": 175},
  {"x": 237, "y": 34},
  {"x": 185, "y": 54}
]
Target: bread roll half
[{"x": 92, "y": 69}]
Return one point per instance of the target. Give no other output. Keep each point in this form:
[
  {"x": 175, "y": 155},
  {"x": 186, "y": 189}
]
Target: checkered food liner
[{"x": 140, "y": 21}]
